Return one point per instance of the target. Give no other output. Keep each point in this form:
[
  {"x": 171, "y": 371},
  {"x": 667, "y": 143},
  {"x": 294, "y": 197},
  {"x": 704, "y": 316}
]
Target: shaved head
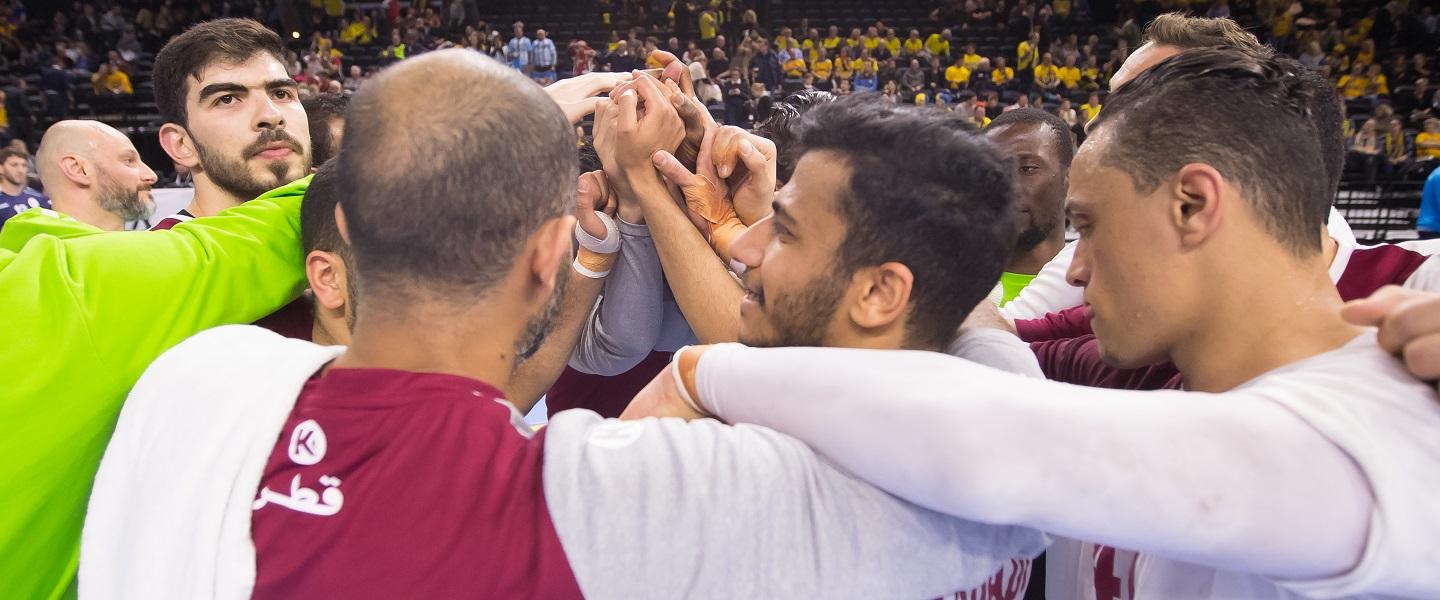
[
  {"x": 93, "y": 173},
  {"x": 72, "y": 138},
  {"x": 450, "y": 162}
]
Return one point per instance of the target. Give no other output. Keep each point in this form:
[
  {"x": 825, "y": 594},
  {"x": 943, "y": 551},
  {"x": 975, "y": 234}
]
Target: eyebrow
[{"x": 230, "y": 87}]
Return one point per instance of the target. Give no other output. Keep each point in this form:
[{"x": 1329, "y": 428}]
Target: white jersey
[{"x": 1357, "y": 397}]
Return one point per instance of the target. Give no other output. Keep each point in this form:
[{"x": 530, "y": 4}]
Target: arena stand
[{"x": 1379, "y": 196}]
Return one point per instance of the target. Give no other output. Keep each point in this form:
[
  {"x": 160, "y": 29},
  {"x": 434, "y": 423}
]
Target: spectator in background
[
  {"x": 1091, "y": 108},
  {"x": 938, "y": 44},
  {"x": 794, "y": 65},
  {"x": 1069, "y": 75},
  {"x": 582, "y": 58},
  {"x": 1027, "y": 58},
  {"x": 15, "y": 195},
  {"x": 1397, "y": 147},
  {"x": 957, "y": 76},
  {"x": 971, "y": 58},
  {"x": 352, "y": 84},
  {"x": 622, "y": 60},
  {"x": 1354, "y": 84},
  {"x": 1377, "y": 86},
  {"x": 705, "y": 90},
  {"x": 890, "y": 93},
  {"x": 1312, "y": 57},
  {"x": 19, "y": 119},
  {"x": 718, "y": 63},
  {"x": 1368, "y": 149},
  {"x": 732, "y": 87},
  {"x": 767, "y": 64},
  {"x": 866, "y": 78},
  {"x": 1067, "y": 113},
  {"x": 110, "y": 81},
  {"x": 1001, "y": 76},
  {"x": 709, "y": 25},
  {"x": 912, "y": 78},
  {"x": 517, "y": 50},
  {"x": 1047, "y": 75},
  {"x": 1023, "y": 101},
  {"x": 913, "y": 45},
  {"x": 1427, "y": 142},
  {"x": 543, "y": 58},
  {"x": 822, "y": 67}
]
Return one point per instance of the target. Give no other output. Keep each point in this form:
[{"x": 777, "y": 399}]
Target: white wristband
[
  {"x": 583, "y": 270},
  {"x": 609, "y": 245},
  {"x": 680, "y": 384}
]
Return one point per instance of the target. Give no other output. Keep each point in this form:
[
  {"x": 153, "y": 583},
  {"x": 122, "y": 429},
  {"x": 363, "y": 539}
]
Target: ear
[
  {"x": 341, "y": 225},
  {"x": 883, "y": 295},
  {"x": 177, "y": 143},
  {"x": 326, "y": 273},
  {"x": 553, "y": 249},
  {"x": 76, "y": 171},
  {"x": 1196, "y": 208}
]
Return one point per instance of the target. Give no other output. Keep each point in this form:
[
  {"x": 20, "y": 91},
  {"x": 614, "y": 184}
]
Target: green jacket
[{"x": 82, "y": 314}]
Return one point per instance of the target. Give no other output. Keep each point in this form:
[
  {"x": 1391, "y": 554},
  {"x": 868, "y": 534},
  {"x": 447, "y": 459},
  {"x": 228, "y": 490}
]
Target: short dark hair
[
  {"x": 780, "y": 126},
  {"x": 320, "y": 109},
  {"x": 318, "y": 230},
  {"x": 446, "y": 223},
  {"x": 1063, "y": 143},
  {"x": 1186, "y": 32},
  {"x": 945, "y": 213},
  {"x": 8, "y": 153},
  {"x": 187, "y": 54},
  {"x": 1251, "y": 117}
]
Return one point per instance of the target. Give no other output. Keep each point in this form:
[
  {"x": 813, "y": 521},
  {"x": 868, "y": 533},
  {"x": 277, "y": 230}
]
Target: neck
[
  {"x": 86, "y": 210},
  {"x": 210, "y": 199},
  {"x": 1280, "y": 312},
  {"x": 424, "y": 341},
  {"x": 1030, "y": 262},
  {"x": 11, "y": 189}
]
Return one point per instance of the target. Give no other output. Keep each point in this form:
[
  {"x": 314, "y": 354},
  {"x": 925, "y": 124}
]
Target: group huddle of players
[{"x": 1180, "y": 404}]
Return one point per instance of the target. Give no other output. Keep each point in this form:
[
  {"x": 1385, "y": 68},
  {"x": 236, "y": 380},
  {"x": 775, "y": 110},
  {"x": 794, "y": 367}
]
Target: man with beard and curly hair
[{"x": 232, "y": 114}]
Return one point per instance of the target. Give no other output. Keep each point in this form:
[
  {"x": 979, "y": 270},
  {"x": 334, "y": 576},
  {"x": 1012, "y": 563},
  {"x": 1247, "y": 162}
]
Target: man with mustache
[
  {"x": 94, "y": 173},
  {"x": 232, "y": 114}
]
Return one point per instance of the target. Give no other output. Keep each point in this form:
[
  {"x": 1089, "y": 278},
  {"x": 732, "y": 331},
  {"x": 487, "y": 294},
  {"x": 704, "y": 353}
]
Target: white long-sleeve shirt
[{"x": 1321, "y": 474}]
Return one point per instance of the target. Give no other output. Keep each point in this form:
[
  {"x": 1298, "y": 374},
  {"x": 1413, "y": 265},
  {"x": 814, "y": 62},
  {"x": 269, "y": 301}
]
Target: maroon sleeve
[
  {"x": 1077, "y": 360},
  {"x": 1069, "y": 323}
]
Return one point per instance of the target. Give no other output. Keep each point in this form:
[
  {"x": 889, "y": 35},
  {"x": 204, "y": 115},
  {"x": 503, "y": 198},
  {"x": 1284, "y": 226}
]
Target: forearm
[
  {"x": 1202, "y": 478},
  {"x": 708, "y": 295},
  {"x": 624, "y": 327},
  {"x": 535, "y": 375}
]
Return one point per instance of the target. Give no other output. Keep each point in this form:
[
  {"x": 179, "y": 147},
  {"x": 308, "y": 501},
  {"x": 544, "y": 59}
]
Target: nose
[
  {"x": 1078, "y": 274},
  {"x": 148, "y": 175},
  {"x": 748, "y": 248},
  {"x": 269, "y": 116}
]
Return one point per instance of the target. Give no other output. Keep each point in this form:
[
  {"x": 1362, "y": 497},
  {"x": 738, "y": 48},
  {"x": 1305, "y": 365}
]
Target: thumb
[
  {"x": 670, "y": 167},
  {"x": 754, "y": 160},
  {"x": 1371, "y": 312}
]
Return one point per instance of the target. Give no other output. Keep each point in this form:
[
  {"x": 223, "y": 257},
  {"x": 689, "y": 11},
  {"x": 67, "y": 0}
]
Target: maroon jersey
[
  {"x": 172, "y": 220},
  {"x": 393, "y": 484},
  {"x": 1066, "y": 347},
  {"x": 607, "y": 396}
]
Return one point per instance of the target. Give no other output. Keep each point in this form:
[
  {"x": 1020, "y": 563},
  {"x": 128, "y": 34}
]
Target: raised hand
[
  {"x": 633, "y": 126},
  {"x": 705, "y": 196},
  {"x": 747, "y": 164},
  {"x": 592, "y": 194}
]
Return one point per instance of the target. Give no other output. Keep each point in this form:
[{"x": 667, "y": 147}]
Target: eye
[
  {"x": 283, "y": 94},
  {"x": 1029, "y": 169},
  {"x": 226, "y": 100},
  {"x": 781, "y": 231}
]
